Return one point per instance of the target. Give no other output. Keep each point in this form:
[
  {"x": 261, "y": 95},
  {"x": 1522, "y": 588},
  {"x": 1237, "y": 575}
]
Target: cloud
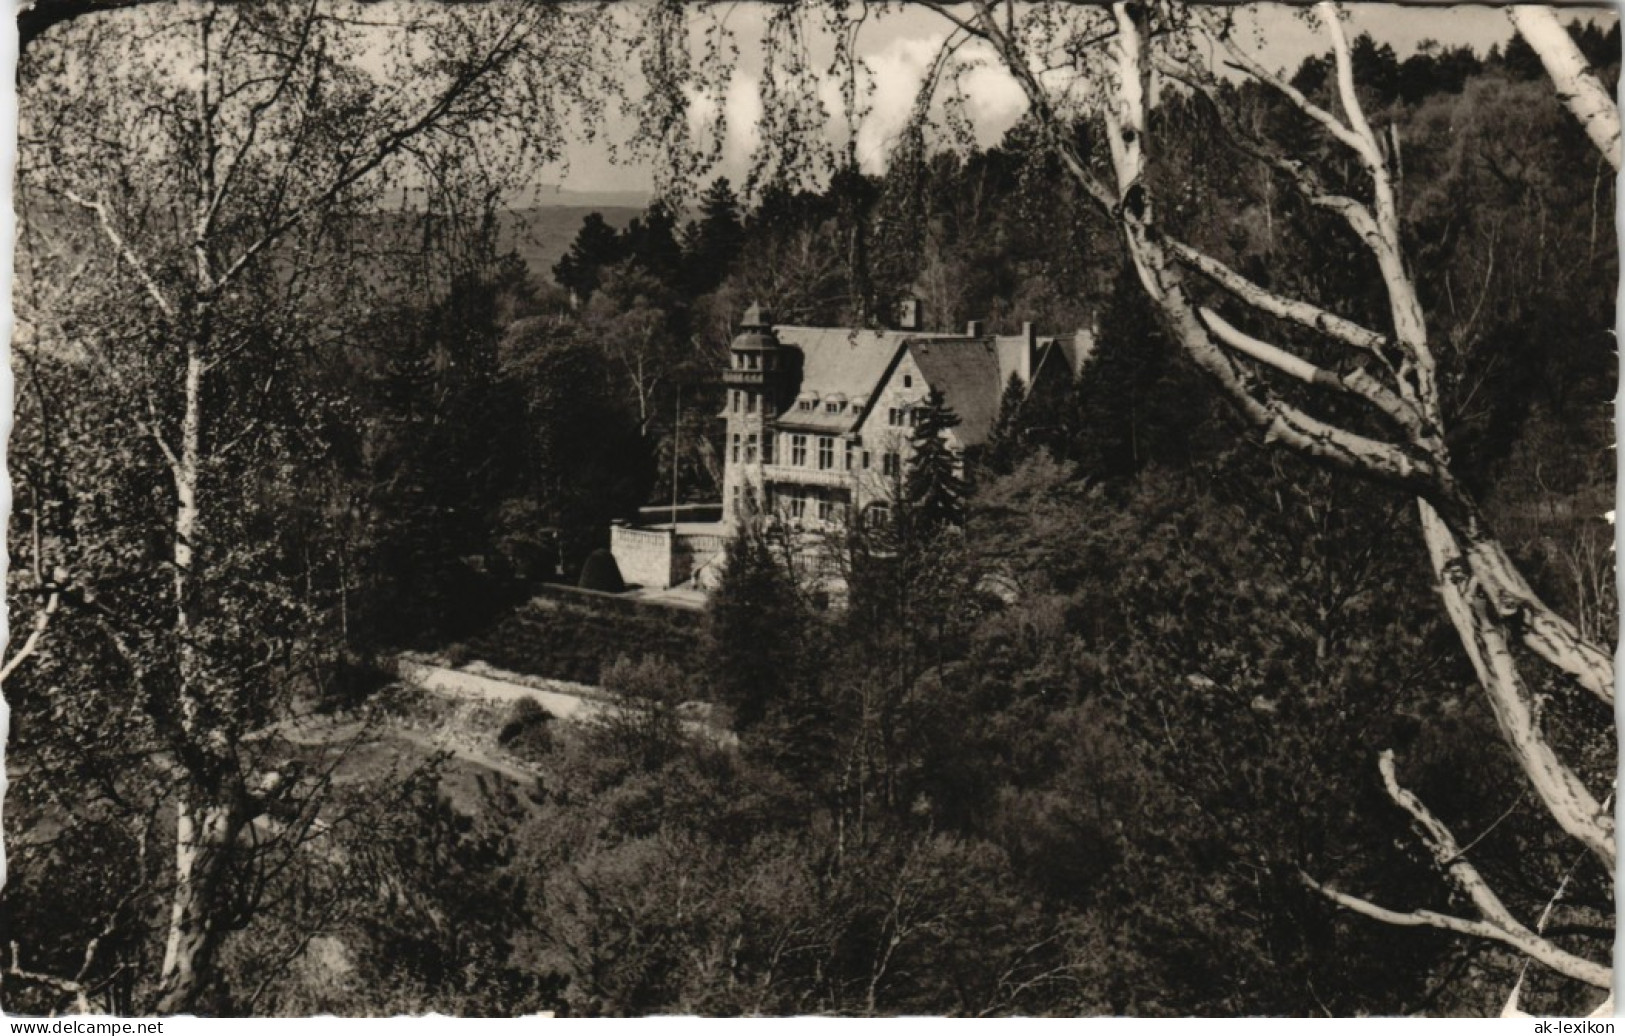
[
  {"x": 741, "y": 111},
  {"x": 889, "y": 83},
  {"x": 994, "y": 101}
]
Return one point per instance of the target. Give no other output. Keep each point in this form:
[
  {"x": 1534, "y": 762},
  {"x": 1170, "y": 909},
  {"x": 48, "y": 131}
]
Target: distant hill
[
  {"x": 541, "y": 235},
  {"x": 554, "y": 197}
]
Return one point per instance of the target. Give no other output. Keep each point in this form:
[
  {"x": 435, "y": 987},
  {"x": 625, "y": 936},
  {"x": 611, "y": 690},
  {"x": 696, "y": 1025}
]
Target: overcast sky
[{"x": 897, "y": 49}]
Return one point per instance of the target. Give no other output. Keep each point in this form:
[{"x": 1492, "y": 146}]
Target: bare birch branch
[
  {"x": 1297, "y": 172},
  {"x": 1497, "y": 923},
  {"x": 123, "y": 249},
  {"x": 1355, "y": 382},
  {"x": 1304, "y": 314},
  {"x": 1244, "y": 62},
  {"x": 1578, "y": 87},
  {"x": 1543, "y": 631},
  {"x": 1558, "y": 960},
  {"x": 1484, "y": 639},
  {"x": 81, "y": 997},
  {"x": 41, "y": 621}
]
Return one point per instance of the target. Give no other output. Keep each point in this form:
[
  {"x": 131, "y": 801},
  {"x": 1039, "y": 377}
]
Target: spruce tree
[
  {"x": 934, "y": 489},
  {"x": 596, "y": 246},
  {"x": 1006, "y": 442},
  {"x": 650, "y": 243},
  {"x": 754, "y": 622},
  {"x": 715, "y": 239}
]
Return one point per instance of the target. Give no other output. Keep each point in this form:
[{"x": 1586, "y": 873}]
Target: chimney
[
  {"x": 908, "y": 315},
  {"x": 1029, "y": 351},
  {"x": 973, "y": 329}
]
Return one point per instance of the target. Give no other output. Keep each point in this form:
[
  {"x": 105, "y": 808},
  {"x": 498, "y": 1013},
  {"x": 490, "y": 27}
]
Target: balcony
[
  {"x": 744, "y": 379},
  {"x": 806, "y": 476}
]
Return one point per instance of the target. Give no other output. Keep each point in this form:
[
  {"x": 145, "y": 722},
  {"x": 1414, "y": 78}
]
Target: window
[
  {"x": 826, "y": 453},
  {"x": 847, "y": 461},
  {"x": 736, "y": 448},
  {"x": 751, "y": 360},
  {"x": 805, "y": 404},
  {"x": 798, "y": 450},
  {"x": 865, "y": 460},
  {"x": 832, "y": 408},
  {"x": 894, "y": 417},
  {"x": 826, "y": 510},
  {"x": 891, "y": 464},
  {"x": 736, "y": 400},
  {"x": 908, "y": 381},
  {"x": 798, "y": 507},
  {"x": 750, "y": 402},
  {"x": 750, "y": 449}
]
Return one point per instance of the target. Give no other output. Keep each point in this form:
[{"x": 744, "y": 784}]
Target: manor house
[{"x": 819, "y": 418}]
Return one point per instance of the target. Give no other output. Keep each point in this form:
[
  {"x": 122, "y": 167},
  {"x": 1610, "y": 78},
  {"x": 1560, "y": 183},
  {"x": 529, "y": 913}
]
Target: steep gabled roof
[
  {"x": 1011, "y": 352},
  {"x": 966, "y": 370},
  {"x": 842, "y": 360}
]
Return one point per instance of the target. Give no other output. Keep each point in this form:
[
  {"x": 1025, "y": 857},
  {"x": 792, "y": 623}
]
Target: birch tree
[
  {"x": 1389, "y": 370},
  {"x": 1578, "y": 87},
  {"x": 1363, "y": 398},
  {"x": 202, "y": 189}
]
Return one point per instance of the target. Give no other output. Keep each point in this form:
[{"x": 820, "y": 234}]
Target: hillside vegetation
[{"x": 1094, "y": 729}]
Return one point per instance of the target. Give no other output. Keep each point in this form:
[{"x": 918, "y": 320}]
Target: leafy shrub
[
  {"x": 602, "y": 573},
  {"x": 527, "y": 732}
]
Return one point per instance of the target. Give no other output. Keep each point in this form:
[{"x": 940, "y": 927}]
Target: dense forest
[{"x": 1098, "y": 718}]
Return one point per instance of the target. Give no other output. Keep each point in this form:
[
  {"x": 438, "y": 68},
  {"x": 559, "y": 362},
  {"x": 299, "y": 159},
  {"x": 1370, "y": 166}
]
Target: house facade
[{"x": 819, "y": 419}]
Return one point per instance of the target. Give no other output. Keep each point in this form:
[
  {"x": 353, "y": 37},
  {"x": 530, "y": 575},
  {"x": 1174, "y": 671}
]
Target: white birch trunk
[
  {"x": 1486, "y": 598},
  {"x": 1578, "y": 87},
  {"x": 210, "y": 814},
  {"x": 205, "y": 833}
]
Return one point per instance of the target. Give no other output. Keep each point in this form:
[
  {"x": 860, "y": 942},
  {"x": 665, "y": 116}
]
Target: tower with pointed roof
[{"x": 758, "y": 376}]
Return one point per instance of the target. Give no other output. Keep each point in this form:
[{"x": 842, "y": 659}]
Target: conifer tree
[
  {"x": 1005, "y": 442},
  {"x": 715, "y": 239},
  {"x": 753, "y": 621},
  {"x": 934, "y": 489},
  {"x": 596, "y": 246},
  {"x": 650, "y": 244}
]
